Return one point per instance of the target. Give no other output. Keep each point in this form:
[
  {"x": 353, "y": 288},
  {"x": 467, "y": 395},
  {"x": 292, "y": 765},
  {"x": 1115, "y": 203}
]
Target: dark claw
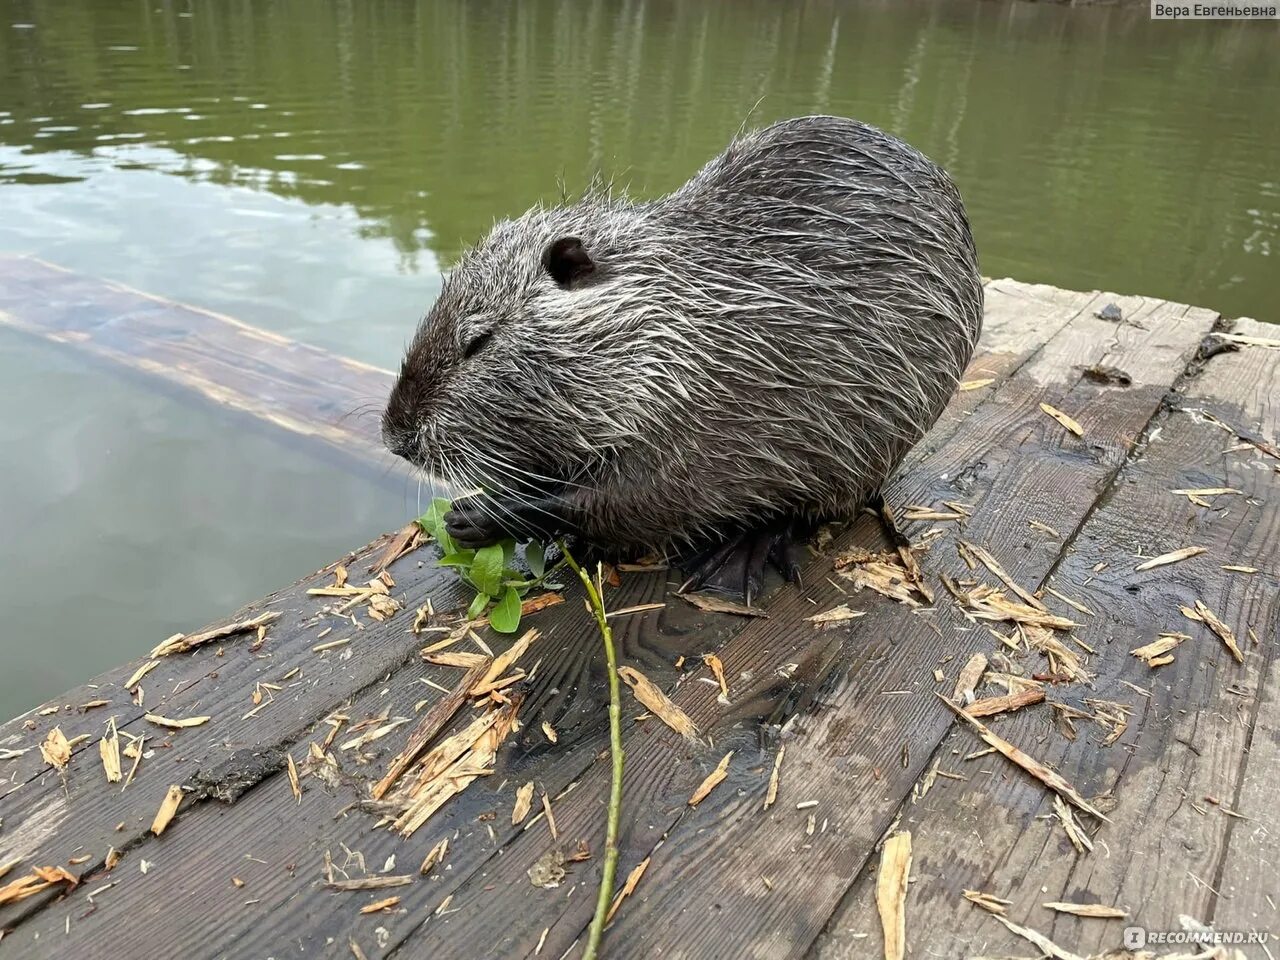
[
  {"x": 737, "y": 567},
  {"x": 875, "y": 503}
]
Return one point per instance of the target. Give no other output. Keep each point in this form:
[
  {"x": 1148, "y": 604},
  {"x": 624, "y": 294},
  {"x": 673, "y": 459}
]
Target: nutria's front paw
[{"x": 481, "y": 519}]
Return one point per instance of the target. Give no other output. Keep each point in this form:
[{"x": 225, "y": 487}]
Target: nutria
[{"x": 719, "y": 368}]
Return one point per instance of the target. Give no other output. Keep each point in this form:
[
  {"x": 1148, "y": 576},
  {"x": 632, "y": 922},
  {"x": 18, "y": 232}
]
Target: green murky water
[{"x": 308, "y": 168}]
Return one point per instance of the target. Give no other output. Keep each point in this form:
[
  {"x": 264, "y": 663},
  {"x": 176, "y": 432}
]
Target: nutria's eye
[
  {"x": 477, "y": 344},
  {"x": 567, "y": 260}
]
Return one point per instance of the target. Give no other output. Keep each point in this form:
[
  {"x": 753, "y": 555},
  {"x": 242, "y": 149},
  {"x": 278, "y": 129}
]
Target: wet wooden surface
[
  {"x": 270, "y": 380},
  {"x": 869, "y": 748}
]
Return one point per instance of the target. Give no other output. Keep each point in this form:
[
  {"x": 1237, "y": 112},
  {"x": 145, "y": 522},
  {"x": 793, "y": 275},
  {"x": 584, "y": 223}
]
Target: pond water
[{"x": 309, "y": 168}]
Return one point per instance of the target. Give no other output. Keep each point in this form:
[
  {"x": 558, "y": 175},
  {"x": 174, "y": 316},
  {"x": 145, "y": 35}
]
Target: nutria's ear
[{"x": 567, "y": 261}]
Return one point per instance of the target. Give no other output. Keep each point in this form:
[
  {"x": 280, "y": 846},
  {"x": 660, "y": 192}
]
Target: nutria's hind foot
[
  {"x": 481, "y": 519},
  {"x": 737, "y": 566}
]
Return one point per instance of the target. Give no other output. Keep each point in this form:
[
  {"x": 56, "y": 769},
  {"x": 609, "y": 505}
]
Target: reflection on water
[{"x": 306, "y": 168}]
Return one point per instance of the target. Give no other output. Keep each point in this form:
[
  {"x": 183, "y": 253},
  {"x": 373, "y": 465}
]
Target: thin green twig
[{"x": 595, "y": 595}]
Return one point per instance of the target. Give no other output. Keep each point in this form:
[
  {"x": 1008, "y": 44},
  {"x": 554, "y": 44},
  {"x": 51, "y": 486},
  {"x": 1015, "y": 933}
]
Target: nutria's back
[{"x": 768, "y": 340}]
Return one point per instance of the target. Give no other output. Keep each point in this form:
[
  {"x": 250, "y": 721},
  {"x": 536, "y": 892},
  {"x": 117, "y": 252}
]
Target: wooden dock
[{"x": 1182, "y": 759}]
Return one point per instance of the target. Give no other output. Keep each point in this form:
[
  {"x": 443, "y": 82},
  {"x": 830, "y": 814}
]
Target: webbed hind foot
[{"x": 737, "y": 566}]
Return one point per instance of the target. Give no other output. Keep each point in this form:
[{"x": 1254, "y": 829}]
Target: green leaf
[
  {"x": 433, "y": 522},
  {"x": 536, "y": 557},
  {"x": 459, "y": 558},
  {"x": 505, "y": 615},
  {"x": 486, "y": 570},
  {"x": 477, "y": 606}
]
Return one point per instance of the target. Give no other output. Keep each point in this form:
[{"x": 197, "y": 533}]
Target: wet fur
[{"x": 766, "y": 342}]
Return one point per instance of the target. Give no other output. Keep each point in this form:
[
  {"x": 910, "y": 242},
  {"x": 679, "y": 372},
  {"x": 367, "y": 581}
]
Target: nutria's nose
[{"x": 403, "y": 443}]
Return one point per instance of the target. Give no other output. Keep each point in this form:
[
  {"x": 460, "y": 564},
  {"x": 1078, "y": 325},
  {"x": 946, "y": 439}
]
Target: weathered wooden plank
[
  {"x": 703, "y": 895},
  {"x": 292, "y": 386},
  {"x": 1041, "y": 309},
  {"x": 1208, "y": 728}
]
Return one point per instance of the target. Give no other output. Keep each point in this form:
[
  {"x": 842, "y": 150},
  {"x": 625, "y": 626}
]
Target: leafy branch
[
  {"x": 595, "y": 595},
  {"x": 500, "y": 587}
]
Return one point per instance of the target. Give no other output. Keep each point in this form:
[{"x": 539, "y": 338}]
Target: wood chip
[
  {"x": 505, "y": 661},
  {"x": 36, "y": 882},
  {"x": 658, "y": 702},
  {"x": 986, "y": 603},
  {"x": 990, "y": 706},
  {"x": 176, "y": 724},
  {"x": 1224, "y": 633},
  {"x": 628, "y": 887},
  {"x": 369, "y": 883},
  {"x": 1234, "y": 568},
  {"x": 141, "y": 672},
  {"x": 713, "y": 780},
  {"x": 381, "y": 906},
  {"x": 990, "y": 562},
  {"x": 549, "y": 731},
  {"x": 1063, "y": 419},
  {"x": 713, "y": 604},
  {"x": 181, "y": 643},
  {"x": 1075, "y": 832},
  {"x": 891, "y": 894},
  {"x": 523, "y": 804},
  {"x": 294, "y": 785},
  {"x": 109, "y": 750},
  {"x": 836, "y": 615},
  {"x": 970, "y": 676},
  {"x": 428, "y": 727},
  {"x": 1046, "y": 945},
  {"x": 1097, "y": 910},
  {"x": 1206, "y": 491},
  {"x": 434, "y": 856},
  {"x": 1174, "y": 556},
  {"x": 1038, "y": 770},
  {"x": 1153, "y": 654},
  {"x": 771, "y": 793},
  {"x": 466, "y": 661},
  {"x": 169, "y": 807},
  {"x": 988, "y": 902},
  {"x": 1062, "y": 659},
  {"x": 717, "y": 669},
  {"x": 967, "y": 385},
  {"x": 56, "y": 749}
]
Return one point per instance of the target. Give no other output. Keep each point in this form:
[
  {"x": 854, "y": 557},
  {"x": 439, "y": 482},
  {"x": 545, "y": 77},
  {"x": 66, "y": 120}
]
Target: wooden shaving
[
  {"x": 169, "y": 807},
  {"x": 1153, "y": 654},
  {"x": 886, "y": 573},
  {"x": 1224, "y": 633},
  {"x": 717, "y": 668},
  {"x": 1007, "y": 704},
  {"x": 141, "y": 672},
  {"x": 1062, "y": 659},
  {"x": 986, "y": 603},
  {"x": 523, "y": 804},
  {"x": 109, "y": 750},
  {"x": 628, "y": 887},
  {"x": 1046, "y": 945},
  {"x": 713, "y": 604},
  {"x": 294, "y": 785},
  {"x": 1063, "y": 419},
  {"x": 1234, "y": 568},
  {"x": 1174, "y": 556},
  {"x": 836, "y": 615},
  {"x": 1098, "y": 910},
  {"x": 504, "y": 662},
  {"x": 970, "y": 676},
  {"x": 381, "y": 906},
  {"x": 369, "y": 883},
  {"x": 1075, "y": 832},
  {"x": 181, "y": 643},
  {"x": 1206, "y": 491},
  {"x": 713, "y": 780},
  {"x": 176, "y": 724},
  {"x": 1038, "y": 770},
  {"x": 39, "y": 880},
  {"x": 549, "y": 731},
  {"x": 988, "y": 902},
  {"x": 771, "y": 793},
  {"x": 658, "y": 702},
  {"x": 56, "y": 749},
  {"x": 434, "y": 855},
  {"x": 891, "y": 894},
  {"x": 967, "y": 385},
  {"x": 990, "y": 562}
]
